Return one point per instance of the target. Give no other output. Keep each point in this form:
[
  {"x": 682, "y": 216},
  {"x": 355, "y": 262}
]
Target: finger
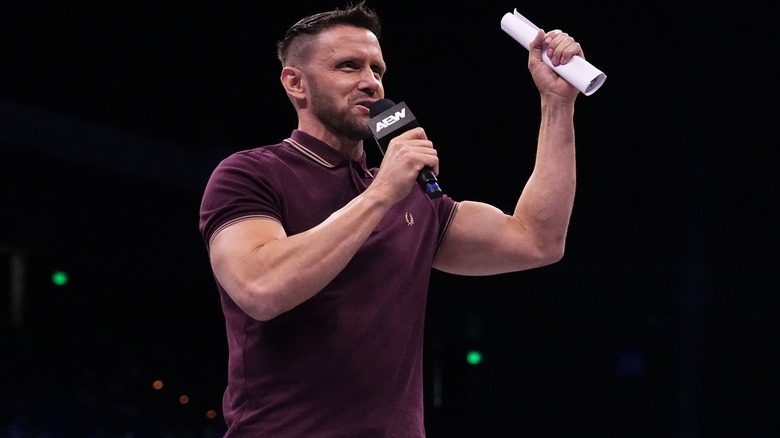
[
  {"x": 554, "y": 41},
  {"x": 561, "y": 47},
  {"x": 430, "y": 159},
  {"x": 572, "y": 49},
  {"x": 417, "y": 133},
  {"x": 551, "y": 35}
]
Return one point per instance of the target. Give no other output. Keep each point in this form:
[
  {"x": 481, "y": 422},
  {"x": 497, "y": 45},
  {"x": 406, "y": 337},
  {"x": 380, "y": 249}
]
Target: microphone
[{"x": 389, "y": 120}]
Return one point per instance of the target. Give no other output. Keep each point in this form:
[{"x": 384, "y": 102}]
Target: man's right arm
[{"x": 268, "y": 273}]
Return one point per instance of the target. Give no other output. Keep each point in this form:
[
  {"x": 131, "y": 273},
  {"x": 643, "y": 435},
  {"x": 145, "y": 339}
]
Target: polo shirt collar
[{"x": 319, "y": 151}]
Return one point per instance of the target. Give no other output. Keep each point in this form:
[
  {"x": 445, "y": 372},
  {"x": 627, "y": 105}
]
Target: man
[{"x": 323, "y": 264}]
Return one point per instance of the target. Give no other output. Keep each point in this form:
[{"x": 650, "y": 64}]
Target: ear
[{"x": 292, "y": 81}]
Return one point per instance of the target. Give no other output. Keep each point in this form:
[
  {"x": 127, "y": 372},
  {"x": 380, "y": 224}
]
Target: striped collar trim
[{"x": 307, "y": 152}]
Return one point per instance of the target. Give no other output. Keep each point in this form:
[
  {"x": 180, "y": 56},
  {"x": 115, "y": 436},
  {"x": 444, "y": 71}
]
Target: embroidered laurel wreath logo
[{"x": 409, "y": 219}]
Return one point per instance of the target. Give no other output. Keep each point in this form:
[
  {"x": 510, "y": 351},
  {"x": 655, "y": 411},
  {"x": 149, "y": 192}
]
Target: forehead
[{"x": 342, "y": 41}]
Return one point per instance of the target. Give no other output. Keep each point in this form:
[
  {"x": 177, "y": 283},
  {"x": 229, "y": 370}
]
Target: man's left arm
[{"x": 483, "y": 240}]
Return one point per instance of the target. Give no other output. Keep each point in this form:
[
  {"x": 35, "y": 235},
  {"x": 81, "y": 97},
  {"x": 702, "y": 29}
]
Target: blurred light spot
[
  {"x": 59, "y": 278},
  {"x": 474, "y": 357}
]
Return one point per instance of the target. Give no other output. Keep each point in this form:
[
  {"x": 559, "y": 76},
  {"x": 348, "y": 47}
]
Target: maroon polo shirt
[{"x": 347, "y": 362}]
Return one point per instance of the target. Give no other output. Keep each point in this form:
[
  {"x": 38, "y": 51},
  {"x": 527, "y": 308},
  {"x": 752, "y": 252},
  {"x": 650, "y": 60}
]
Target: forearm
[
  {"x": 546, "y": 203},
  {"x": 275, "y": 274}
]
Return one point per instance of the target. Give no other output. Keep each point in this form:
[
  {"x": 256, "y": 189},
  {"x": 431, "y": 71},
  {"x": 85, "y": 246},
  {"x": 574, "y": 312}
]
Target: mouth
[{"x": 365, "y": 104}]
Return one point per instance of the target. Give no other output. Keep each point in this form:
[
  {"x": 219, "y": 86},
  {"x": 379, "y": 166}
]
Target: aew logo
[{"x": 390, "y": 120}]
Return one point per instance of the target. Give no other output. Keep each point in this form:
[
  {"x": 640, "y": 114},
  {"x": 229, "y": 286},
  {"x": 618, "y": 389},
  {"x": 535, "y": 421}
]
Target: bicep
[
  {"x": 483, "y": 240},
  {"x": 232, "y": 252}
]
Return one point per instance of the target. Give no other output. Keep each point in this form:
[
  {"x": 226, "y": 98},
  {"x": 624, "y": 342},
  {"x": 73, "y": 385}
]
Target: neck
[{"x": 349, "y": 148}]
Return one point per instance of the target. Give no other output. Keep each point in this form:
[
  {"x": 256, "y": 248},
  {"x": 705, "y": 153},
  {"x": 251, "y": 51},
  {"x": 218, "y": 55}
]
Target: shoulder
[{"x": 267, "y": 153}]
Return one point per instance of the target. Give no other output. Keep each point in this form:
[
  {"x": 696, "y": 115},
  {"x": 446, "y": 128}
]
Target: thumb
[{"x": 535, "y": 46}]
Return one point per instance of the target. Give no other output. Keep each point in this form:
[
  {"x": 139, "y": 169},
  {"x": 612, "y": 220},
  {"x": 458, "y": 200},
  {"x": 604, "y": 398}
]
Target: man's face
[{"x": 344, "y": 78}]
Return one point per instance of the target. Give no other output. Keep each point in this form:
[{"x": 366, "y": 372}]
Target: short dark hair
[{"x": 295, "y": 42}]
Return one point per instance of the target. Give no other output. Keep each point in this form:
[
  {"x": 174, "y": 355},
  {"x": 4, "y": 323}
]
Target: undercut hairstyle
[{"x": 298, "y": 41}]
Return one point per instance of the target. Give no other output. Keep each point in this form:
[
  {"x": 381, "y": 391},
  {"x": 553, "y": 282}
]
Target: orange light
[
  {"x": 158, "y": 384},
  {"x": 184, "y": 399},
  {"x": 211, "y": 414}
]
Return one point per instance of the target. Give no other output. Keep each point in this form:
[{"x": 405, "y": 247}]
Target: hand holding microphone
[{"x": 389, "y": 120}]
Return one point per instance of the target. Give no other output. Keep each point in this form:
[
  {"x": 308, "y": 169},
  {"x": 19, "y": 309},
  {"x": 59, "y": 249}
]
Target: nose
[{"x": 369, "y": 83}]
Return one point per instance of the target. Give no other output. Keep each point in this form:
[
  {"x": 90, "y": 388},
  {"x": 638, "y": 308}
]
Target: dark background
[{"x": 660, "y": 321}]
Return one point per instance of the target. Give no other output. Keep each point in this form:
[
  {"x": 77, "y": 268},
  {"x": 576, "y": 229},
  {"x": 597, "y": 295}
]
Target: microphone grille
[{"x": 380, "y": 106}]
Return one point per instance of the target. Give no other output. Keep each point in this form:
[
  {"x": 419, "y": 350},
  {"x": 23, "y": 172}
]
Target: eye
[{"x": 349, "y": 65}]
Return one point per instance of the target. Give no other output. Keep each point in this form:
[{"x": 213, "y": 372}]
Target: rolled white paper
[{"x": 578, "y": 72}]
